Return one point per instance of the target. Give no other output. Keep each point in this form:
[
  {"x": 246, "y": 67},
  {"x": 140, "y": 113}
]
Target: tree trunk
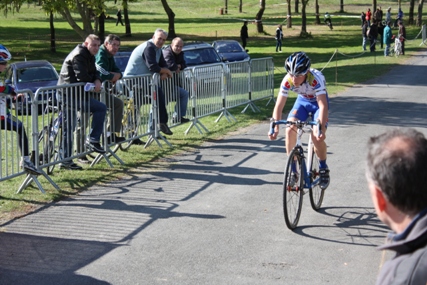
[
  {"x": 240, "y": 6},
  {"x": 411, "y": 12},
  {"x": 317, "y": 12},
  {"x": 374, "y": 6},
  {"x": 52, "y": 33},
  {"x": 258, "y": 17},
  {"x": 101, "y": 33},
  {"x": 225, "y": 6},
  {"x": 303, "y": 18},
  {"x": 171, "y": 17},
  {"x": 341, "y": 6},
  {"x": 128, "y": 32},
  {"x": 296, "y": 6},
  {"x": 289, "y": 15},
  {"x": 420, "y": 13}
]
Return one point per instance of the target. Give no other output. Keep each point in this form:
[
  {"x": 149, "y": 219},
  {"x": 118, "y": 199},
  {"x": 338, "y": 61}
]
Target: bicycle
[{"x": 297, "y": 176}]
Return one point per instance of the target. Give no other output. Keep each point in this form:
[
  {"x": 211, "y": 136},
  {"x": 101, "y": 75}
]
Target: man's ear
[{"x": 381, "y": 199}]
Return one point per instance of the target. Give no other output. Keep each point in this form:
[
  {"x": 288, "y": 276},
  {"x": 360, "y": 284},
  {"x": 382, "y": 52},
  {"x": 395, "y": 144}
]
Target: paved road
[{"x": 215, "y": 216}]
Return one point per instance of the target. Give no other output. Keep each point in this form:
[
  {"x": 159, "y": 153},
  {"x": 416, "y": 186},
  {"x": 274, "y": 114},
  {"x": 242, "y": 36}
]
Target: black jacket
[
  {"x": 78, "y": 66},
  {"x": 172, "y": 59}
]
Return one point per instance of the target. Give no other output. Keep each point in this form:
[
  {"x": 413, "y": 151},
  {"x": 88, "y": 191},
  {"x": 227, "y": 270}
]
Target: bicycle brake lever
[{"x": 272, "y": 125}]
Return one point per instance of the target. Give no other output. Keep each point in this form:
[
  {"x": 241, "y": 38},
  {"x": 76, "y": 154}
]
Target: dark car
[
  {"x": 31, "y": 75},
  {"x": 231, "y": 50},
  {"x": 122, "y": 58},
  {"x": 200, "y": 53}
]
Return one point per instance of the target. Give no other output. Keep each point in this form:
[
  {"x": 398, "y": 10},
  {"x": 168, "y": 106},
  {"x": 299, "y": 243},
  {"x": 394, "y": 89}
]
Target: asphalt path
[{"x": 214, "y": 215}]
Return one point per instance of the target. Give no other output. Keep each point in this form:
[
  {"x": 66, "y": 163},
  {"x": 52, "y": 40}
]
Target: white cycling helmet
[
  {"x": 297, "y": 63},
  {"x": 4, "y": 54}
]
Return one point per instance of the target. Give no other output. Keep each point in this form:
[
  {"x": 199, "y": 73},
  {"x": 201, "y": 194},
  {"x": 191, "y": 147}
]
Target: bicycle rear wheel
[
  {"x": 293, "y": 185},
  {"x": 131, "y": 121},
  {"x": 316, "y": 193}
]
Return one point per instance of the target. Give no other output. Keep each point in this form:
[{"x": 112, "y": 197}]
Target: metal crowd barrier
[{"x": 211, "y": 89}]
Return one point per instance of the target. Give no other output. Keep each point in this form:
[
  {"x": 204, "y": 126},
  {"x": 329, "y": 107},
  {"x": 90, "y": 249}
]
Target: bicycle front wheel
[
  {"x": 316, "y": 193},
  {"x": 293, "y": 185}
]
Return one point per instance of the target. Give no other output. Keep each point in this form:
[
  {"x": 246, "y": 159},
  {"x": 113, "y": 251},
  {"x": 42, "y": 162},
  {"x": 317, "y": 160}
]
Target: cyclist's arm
[
  {"x": 277, "y": 114},
  {"x": 323, "y": 114}
]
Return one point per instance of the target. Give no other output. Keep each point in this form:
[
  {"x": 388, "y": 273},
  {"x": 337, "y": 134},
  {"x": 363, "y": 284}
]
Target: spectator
[
  {"x": 378, "y": 15},
  {"x": 148, "y": 58},
  {"x": 388, "y": 15},
  {"x": 368, "y": 16},
  {"x": 279, "y": 37},
  {"x": 387, "y": 37},
  {"x": 399, "y": 17},
  {"x": 364, "y": 35},
  {"x": 79, "y": 66},
  {"x": 402, "y": 35},
  {"x": 373, "y": 34},
  {"x": 244, "y": 33},
  {"x": 327, "y": 20},
  {"x": 10, "y": 123},
  {"x": 381, "y": 32},
  {"x": 395, "y": 171},
  {"x": 363, "y": 18},
  {"x": 174, "y": 57},
  {"x": 119, "y": 17}
]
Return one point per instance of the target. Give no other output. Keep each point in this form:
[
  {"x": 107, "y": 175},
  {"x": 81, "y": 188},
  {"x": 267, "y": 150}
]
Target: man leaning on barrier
[
  {"x": 174, "y": 57},
  {"x": 108, "y": 70},
  {"x": 79, "y": 66},
  {"x": 148, "y": 58},
  {"x": 9, "y": 123}
]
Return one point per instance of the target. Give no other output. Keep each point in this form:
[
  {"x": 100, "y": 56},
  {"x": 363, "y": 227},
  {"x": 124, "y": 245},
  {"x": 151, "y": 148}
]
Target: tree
[
  {"x": 411, "y": 12},
  {"x": 52, "y": 33},
  {"x": 420, "y": 13},
  {"x": 171, "y": 17},
  {"x": 304, "y": 18},
  {"x": 296, "y": 6},
  {"x": 240, "y": 6},
  {"x": 258, "y": 17},
  {"x": 341, "y": 6},
  {"x": 125, "y": 6},
  {"x": 289, "y": 15},
  {"x": 317, "y": 12}
]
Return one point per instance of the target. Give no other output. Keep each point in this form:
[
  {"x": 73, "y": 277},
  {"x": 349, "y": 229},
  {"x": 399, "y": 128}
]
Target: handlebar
[{"x": 298, "y": 124}]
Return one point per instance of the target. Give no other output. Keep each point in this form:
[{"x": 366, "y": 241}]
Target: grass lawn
[{"x": 338, "y": 53}]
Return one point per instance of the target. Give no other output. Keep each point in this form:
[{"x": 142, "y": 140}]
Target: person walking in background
[
  {"x": 388, "y": 15},
  {"x": 399, "y": 18},
  {"x": 119, "y": 17},
  {"x": 279, "y": 37},
  {"x": 387, "y": 37},
  {"x": 368, "y": 16},
  {"x": 402, "y": 35},
  {"x": 174, "y": 57},
  {"x": 79, "y": 66},
  {"x": 373, "y": 34},
  {"x": 397, "y": 182},
  {"x": 244, "y": 33},
  {"x": 148, "y": 58},
  {"x": 364, "y": 35}
]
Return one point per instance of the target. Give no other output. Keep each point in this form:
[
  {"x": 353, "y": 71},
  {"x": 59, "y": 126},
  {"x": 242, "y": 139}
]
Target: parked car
[
  {"x": 200, "y": 53},
  {"x": 231, "y": 50},
  {"x": 122, "y": 58},
  {"x": 32, "y": 75}
]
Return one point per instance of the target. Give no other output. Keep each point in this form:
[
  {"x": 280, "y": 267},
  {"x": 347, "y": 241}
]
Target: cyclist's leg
[
  {"x": 297, "y": 113},
  {"x": 320, "y": 149}
]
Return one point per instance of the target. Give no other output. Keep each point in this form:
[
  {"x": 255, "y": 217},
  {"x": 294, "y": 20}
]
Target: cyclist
[
  {"x": 328, "y": 20},
  {"x": 10, "y": 123},
  {"x": 310, "y": 85}
]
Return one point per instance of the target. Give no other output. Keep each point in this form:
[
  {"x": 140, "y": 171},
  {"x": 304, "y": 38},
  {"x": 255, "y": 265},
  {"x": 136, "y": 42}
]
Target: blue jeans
[
  {"x": 183, "y": 102},
  {"x": 364, "y": 43},
  {"x": 278, "y": 45},
  {"x": 98, "y": 111},
  {"x": 387, "y": 49}
]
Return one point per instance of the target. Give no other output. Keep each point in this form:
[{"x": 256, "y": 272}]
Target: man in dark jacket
[
  {"x": 79, "y": 66},
  {"x": 396, "y": 165},
  {"x": 373, "y": 34},
  {"x": 174, "y": 57}
]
